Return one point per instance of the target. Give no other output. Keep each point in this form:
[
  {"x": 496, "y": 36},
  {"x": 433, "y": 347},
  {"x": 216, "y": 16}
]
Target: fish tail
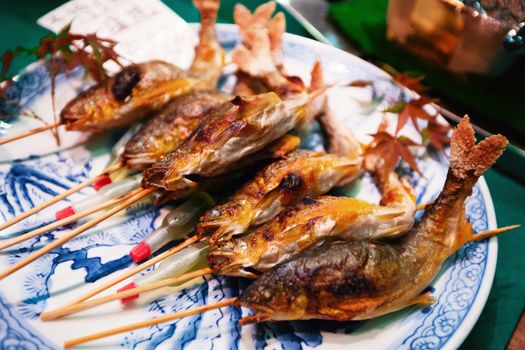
[
  {"x": 468, "y": 160},
  {"x": 209, "y": 55},
  {"x": 208, "y": 10}
]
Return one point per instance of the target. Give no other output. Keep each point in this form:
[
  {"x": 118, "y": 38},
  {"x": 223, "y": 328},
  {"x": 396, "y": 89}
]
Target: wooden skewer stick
[
  {"x": 490, "y": 233},
  {"x": 422, "y": 206},
  {"x": 15, "y": 240},
  {"x": 152, "y": 322},
  {"x": 55, "y": 244},
  {"x": 64, "y": 311},
  {"x": 136, "y": 270},
  {"x": 23, "y": 134},
  {"x": 59, "y": 197}
]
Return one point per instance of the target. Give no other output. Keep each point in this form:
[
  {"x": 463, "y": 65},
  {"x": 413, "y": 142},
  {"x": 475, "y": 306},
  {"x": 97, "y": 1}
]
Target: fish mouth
[
  {"x": 139, "y": 161},
  {"x": 262, "y": 313}
]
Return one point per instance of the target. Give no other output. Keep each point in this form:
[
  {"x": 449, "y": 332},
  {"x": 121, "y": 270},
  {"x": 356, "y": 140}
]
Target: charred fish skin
[
  {"x": 337, "y": 280},
  {"x": 237, "y": 129},
  {"x": 172, "y": 125},
  {"x": 379, "y": 278},
  {"x": 279, "y": 185}
]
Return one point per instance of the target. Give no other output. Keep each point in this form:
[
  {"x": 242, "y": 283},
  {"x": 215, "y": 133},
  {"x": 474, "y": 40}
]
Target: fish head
[
  {"x": 274, "y": 298},
  {"x": 89, "y": 110},
  {"x": 231, "y": 258}
]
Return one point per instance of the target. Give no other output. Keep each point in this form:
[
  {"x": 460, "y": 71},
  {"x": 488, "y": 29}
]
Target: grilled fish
[
  {"x": 356, "y": 280},
  {"x": 172, "y": 125},
  {"x": 141, "y": 89},
  {"x": 280, "y": 184}
]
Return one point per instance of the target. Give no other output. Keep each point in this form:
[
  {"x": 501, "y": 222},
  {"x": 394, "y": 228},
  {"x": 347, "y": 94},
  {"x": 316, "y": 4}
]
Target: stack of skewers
[{"x": 312, "y": 256}]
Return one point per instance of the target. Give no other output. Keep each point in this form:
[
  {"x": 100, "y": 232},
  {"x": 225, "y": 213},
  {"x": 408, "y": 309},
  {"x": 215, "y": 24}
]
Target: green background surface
[{"x": 507, "y": 298}]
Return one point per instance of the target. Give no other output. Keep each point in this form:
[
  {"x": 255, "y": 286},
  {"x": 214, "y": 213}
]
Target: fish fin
[
  {"x": 391, "y": 231},
  {"x": 468, "y": 159},
  {"x": 425, "y": 299},
  {"x": 283, "y": 146},
  {"x": 389, "y": 214}
]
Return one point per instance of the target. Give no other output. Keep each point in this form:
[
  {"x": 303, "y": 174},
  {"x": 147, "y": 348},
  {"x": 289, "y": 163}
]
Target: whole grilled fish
[
  {"x": 273, "y": 189},
  {"x": 172, "y": 125},
  {"x": 141, "y": 89},
  {"x": 358, "y": 280}
]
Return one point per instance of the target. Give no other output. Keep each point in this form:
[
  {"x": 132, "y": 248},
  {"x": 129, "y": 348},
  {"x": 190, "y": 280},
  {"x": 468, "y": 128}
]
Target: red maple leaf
[
  {"x": 412, "y": 110},
  {"x": 385, "y": 151},
  {"x": 68, "y": 51},
  {"x": 411, "y": 82}
]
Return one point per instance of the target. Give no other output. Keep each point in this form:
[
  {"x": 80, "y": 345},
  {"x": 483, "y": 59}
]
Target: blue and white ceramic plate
[{"x": 461, "y": 288}]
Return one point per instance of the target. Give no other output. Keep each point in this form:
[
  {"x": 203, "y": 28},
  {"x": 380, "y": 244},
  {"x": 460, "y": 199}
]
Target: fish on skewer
[
  {"x": 357, "y": 280},
  {"x": 280, "y": 184},
  {"x": 312, "y": 221},
  {"x": 144, "y": 88}
]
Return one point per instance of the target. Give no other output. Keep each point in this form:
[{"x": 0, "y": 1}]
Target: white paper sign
[{"x": 144, "y": 29}]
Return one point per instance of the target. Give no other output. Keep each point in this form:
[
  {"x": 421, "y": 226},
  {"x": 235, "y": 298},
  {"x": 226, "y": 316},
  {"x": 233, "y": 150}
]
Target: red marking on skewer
[
  {"x": 141, "y": 252},
  {"x": 103, "y": 181},
  {"x": 64, "y": 213},
  {"x": 128, "y": 286}
]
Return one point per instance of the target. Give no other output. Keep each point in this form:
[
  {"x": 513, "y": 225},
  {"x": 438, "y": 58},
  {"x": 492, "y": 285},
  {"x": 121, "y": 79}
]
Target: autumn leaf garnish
[
  {"x": 412, "y": 81},
  {"x": 437, "y": 134},
  {"x": 385, "y": 151},
  {"x": 412, "y": 110},
  {"x": 68, "y": 51}
]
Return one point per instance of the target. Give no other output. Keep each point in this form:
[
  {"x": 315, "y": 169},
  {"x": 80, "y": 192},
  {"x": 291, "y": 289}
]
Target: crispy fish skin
[
  {"x": 280, "y": 184},
  {"x": 123, "y": 98},
  {"x": 236, "y": 129},
  {"x": 305, "y": 225},
  {"x": 172, "y": 125},
  {"x": 142, "y": 89},
  {"x": 362, "y": 280}
]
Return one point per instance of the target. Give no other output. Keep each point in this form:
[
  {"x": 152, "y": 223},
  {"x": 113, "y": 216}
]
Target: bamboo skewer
[
  {"x": 193, "y": 311},
  {"x": 55, "y": 244},
  {"x": 491, "y": 233},
  {"x": 23, "y": 134},
  {"x": 59, "y": 197},
  {"x": 15, "y": 240},
  {"x": 136, "y": 270},
  {"x": 152, "y": 322},
  {"x": 64, "y": 311}
]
